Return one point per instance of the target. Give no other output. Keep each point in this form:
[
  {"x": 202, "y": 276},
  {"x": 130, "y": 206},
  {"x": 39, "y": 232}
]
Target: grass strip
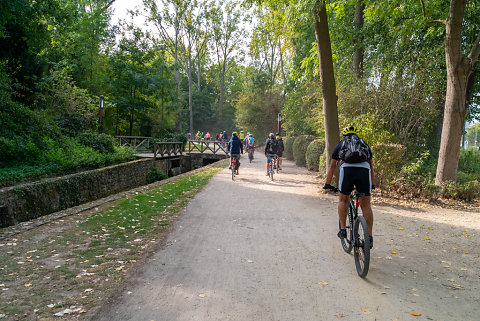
[{"x": 77, "y": 262}]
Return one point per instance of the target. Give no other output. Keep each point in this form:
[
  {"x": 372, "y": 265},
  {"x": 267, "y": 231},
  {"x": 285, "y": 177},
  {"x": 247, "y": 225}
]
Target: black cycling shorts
[{"x": 355, "y": 177}]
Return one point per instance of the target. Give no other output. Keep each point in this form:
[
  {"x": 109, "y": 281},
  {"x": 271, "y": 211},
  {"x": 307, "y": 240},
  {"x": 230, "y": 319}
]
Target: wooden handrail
[
  {"x": 214, "y": 146},
  {"x": 163, "y": 149}
]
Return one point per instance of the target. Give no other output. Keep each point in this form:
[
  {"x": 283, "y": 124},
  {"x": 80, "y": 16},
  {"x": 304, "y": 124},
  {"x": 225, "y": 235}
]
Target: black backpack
[
  {"x": 273, "y": 146},
  {"x": 354, "y": 150}
]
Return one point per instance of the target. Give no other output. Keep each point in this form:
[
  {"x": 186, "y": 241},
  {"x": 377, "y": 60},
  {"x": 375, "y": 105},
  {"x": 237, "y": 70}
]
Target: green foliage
[
  {"x": 288, "y": 145},
  {"x": 66, "y": 158},
  {"x": 173, "y": 137},
  {"x": 314, "y": 150},
  {"x": 156, "y": 174},
  {"x": 102, "y": 143},
  {"x": 469, "y": 165},
  {"x": 258, "y": 110},
  {"x": 388, "y": 160},
  {"x": 300, "y": 148}
]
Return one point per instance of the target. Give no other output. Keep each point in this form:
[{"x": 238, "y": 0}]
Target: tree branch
[
  {"x": 423, "y": 7},
  {"x": 475, "y": 51},
  {"x": 437, "y": 21}
]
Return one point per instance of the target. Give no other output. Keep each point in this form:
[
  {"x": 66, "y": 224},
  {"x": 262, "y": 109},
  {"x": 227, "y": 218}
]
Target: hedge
[
  {"x": 314, "y": 151},
  {"x": 300, "y": 149},
  {"x": 288, "y": 144}
]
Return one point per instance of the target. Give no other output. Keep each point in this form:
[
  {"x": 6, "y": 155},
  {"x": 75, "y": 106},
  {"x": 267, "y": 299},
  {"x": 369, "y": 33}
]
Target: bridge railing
[
  {"x": 203, "y": 146},
  {"x": 137, "y": 142},
  {"x": 164, "y": 149}
]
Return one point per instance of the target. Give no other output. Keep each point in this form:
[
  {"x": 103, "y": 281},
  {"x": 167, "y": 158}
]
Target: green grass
[{"x": 93, "y": 252}]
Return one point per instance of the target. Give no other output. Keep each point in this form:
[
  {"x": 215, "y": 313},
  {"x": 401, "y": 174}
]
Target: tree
[
  {"x": 459, "y": 70},
  {"x": 227, "y": 35},
  {"x": 327, "y": 75}
]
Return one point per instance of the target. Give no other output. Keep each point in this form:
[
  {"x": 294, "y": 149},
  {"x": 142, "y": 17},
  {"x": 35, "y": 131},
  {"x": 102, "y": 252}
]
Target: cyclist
[
  {"x": 271, "y": 149},
  {"x": 235, "y": 147},
  {"x": 281, "y": 148},
  {"x": 250, "y": 142},
  {"x": 245, "y": 140},
  {"x": 354, "y": 171},
  {"x": 241, "y": 136}
]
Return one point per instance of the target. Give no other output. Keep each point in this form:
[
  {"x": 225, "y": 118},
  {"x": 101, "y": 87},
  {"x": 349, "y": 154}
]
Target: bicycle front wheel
[{"x": 361, "y": 244}]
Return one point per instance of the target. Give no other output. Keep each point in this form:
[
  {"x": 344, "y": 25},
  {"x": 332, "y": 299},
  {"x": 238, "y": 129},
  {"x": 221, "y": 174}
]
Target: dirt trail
[{"x": 253, "y": 249}]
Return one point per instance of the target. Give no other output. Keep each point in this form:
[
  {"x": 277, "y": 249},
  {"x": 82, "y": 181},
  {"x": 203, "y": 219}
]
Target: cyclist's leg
[
  {"x": 366, "y": 206},
  {"x": 343, "y": 209},
  {"x": 269, "y": 160},
  {"x": 345, "y": 186}
]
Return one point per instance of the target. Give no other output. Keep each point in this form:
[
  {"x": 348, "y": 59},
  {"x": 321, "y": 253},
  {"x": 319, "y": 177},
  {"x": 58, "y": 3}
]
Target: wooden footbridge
[{"x": 146, "y": 147}]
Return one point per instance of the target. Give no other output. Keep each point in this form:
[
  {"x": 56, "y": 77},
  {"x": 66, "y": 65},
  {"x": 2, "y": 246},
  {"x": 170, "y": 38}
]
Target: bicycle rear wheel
[
  {"x": 361, "y": 243},
  {"x": 233, "y": 173},
  {"x": 271, "y": 170}
]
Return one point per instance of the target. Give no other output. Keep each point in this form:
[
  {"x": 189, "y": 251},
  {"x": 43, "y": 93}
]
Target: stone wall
[{"x": 27, "y": 201}]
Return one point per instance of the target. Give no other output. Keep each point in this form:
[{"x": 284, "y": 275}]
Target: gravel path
[{"x": 252, "y": 249}]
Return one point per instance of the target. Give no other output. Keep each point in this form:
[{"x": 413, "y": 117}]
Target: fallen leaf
[
  {"x": 20, "y": 262},
  {"x": 27, "y": 284},
  {"x": 415, "y": 314},
  {"x": 202, "y": 295},
  {"x": 426, "y": 238},
  {"x": 401, "y": 228},
  {"x": 322, "y": 283},
  {"x": 382, "y": 292},
  {"x": 364, "y": 310},
  {"x": 394, "y": 252},
  {"x": 250, "y": 261}
]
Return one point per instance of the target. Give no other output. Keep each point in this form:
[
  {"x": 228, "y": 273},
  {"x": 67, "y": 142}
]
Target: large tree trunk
[
  {"x": 358, "y": 53},
  {"x": 330, "y": 112},
  {"x": 459, "y": 69}
]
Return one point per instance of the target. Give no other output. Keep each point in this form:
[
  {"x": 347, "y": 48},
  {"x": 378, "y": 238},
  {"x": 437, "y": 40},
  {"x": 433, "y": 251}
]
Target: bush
[
  {"x": 102, "y": 143},
  {"x": 469, "y": 165},
  {"x": 173, "y": 137},
  {"x": 288, "y": 152},
  {"x": 300, "y": 149},
  {"x": 67, "y": 157},
  {"x": 387, "y": 162},
  {"x": 314, "y": 150},
  {"x": 156, "y": 174}
]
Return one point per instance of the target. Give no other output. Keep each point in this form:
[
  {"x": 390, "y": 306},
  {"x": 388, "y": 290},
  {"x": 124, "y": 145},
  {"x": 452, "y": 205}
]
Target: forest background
[{"x": 233, "y": 65}]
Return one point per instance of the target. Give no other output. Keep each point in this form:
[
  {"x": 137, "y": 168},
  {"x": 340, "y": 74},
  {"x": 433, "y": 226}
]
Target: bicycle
[
  {"x": 271, "y": 167},
  {"x": 360, "y": 242},
  {"x": 234, "y": 164},
  {"x": 250, "y": 154}
]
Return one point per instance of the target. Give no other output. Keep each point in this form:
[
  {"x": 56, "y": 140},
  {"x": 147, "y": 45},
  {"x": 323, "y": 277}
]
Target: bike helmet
[
  {"x": 278, "y": 137},
  {"x": 234, "y": 133},
  {"x": 349, "y": 130}
]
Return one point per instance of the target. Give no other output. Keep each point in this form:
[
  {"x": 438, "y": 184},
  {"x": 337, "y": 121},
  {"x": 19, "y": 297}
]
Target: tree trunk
[
  {"x": 178, "y": 125},
  {"x": 190, "y": 89},
  {"x": 198, "y": 75},
  {"x": 459, "y": 69},
  {"x": 330, "y": 112},
  {"x": 358, "y": 54},
  {"x": 222, "y": 87}
]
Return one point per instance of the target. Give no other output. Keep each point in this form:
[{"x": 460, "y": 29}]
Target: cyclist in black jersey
[{"x": 357, "y": 175}]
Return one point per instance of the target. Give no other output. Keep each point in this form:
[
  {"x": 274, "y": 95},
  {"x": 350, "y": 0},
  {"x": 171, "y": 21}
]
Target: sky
[{"x": 120, "y": 11}]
